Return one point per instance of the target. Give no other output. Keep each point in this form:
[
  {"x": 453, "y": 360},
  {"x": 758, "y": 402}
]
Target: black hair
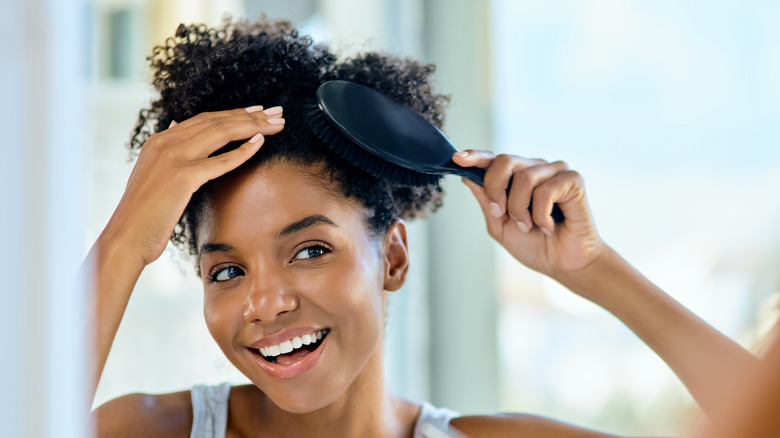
[{"x": 269, "y": 63}]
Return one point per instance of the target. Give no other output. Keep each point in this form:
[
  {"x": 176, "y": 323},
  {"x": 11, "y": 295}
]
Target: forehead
[{"x": 272, "y": 195}]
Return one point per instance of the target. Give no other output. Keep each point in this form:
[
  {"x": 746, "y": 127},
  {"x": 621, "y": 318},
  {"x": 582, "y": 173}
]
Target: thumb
[{"x": 474, "y": 158}]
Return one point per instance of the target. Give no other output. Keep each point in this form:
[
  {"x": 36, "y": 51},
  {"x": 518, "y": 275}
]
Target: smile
[
  {"x": 293, "y": 349},
  {"x": 291, "y": 357}
]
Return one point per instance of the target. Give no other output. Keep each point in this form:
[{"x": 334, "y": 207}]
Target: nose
[{"x": 268, "y": 297}]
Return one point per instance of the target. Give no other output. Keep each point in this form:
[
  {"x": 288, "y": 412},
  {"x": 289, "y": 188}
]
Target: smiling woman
[
  {"x": 298, "y": 250},
  {"x": 309, "y": 268}
]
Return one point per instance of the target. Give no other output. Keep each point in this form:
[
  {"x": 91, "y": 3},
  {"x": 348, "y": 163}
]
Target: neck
[{"x": 367, "y": 408}]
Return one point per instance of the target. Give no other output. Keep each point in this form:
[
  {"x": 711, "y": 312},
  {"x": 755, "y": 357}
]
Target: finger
[
  {"x": 185, "y": 130},
  {"x": 564, "y": 188},
  {"x": 483, "y": 159},
  {"x": 218, "y": 132},
  {"x": 496, "y": 182},
  {"x": 524, "y": 181},
  {"x": 214, "y": 167},
  {"x": 493, "y": 223},
  {"x": 497, "y": 179},
  {"x": 274, "y": 112},
  {"x": 498, "y": 174},
  {"x": 473, "y": 158},
  {"x": 199, "y": 118}
]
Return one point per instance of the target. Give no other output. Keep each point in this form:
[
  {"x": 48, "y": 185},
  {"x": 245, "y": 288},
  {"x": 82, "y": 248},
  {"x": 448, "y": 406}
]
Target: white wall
[{"x": 42, "y": 314}]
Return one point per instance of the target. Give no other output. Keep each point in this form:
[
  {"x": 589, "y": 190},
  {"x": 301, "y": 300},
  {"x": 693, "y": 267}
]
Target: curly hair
[{"x": 245, "y": 63}]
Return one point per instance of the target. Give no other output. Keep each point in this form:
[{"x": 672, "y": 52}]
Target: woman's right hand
[
  {"x": 172, "y": 165},
  {"x": 512, "y": 185}
]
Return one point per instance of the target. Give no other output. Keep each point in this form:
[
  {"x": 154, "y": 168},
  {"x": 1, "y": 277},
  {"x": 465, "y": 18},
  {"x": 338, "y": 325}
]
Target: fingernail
[
  {"x": 256, "y": 138},
  {"x": 173, "y": 123},
  {"x": 523, "y": 227},
  {"x": 273, "y": 111},
  {"x": 495, "y": 209},
  {"x": 275, "y": 121},
  {"x": 462, "y": 154},
  {"x": 546, "y": 231},
  {"x": 254, "y": 109}
]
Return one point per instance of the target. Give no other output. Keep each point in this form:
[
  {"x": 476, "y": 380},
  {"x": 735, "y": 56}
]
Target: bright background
[{"x": 669, "y": 109}]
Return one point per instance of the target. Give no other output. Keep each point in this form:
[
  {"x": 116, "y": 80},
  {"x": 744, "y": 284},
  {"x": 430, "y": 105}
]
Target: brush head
[
  {"x": 361, "y": 158},
  {"x": 377, "y": 134},
  {"x": 385, "y": 138}
]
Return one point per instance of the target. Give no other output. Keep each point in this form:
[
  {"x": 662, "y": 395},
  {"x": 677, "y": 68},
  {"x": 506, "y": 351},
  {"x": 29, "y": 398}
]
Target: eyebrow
[
  {"x": 305, "y": 223},
  {"x": 293, "y": 228},
  {"x": 213, "y": 247}
]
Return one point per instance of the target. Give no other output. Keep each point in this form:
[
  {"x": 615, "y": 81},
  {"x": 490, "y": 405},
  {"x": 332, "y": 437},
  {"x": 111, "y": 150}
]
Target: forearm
[
  {"x": 704, "y": 359},
  {"x": 112, "y": 275}
]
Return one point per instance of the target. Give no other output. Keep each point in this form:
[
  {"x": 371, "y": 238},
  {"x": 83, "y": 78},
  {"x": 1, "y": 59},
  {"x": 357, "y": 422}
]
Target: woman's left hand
[{"x": 532, "y": 237}]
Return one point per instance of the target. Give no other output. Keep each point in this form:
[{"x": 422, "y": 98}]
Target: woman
[{"x": 298, "y": 250}]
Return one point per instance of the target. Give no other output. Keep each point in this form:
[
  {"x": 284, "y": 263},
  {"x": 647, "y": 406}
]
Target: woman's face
[{"x": 289, "y": 264}]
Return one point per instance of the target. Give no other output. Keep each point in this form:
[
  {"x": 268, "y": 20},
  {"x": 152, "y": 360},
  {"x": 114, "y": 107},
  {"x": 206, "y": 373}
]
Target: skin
[
  {"x": 281, "y": 282},
  {"x": 753, "y": 404},
  {"x": 573, "y": 254},
  {"x": 274, "y": 283},
  {"x": 172, "y": 165}
]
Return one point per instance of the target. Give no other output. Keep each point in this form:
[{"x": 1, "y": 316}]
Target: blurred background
[{"x": 671, "y": 111}]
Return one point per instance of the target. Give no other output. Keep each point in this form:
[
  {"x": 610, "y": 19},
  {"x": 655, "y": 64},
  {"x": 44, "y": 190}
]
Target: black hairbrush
[{"x": 395, "y": 142}]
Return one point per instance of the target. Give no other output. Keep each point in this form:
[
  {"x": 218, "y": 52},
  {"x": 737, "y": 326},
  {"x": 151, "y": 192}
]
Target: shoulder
[
  {"x": 513, "y": 425},
  {"x": 133, "y": 415}
]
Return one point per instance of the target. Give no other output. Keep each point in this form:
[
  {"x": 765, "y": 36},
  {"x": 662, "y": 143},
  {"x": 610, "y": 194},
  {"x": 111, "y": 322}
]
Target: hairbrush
[{"x": 385, "y": 138}]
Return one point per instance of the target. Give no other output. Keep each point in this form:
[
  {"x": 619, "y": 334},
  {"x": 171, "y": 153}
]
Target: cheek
[
  {"x": 217, "y": 313},
  {"x": 365, "y": 287}
]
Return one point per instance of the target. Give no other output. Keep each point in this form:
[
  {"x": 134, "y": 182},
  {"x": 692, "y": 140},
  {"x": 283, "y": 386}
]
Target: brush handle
[{"x": 477, "y": 174}]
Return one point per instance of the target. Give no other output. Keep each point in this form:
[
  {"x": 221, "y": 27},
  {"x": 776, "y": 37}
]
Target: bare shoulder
[
  {"x": 133, "y": 415},
  {"x": 515, "y": 425}
]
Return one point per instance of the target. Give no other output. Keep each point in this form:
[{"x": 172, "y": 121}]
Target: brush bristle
[{"x": 359, "y": 157}]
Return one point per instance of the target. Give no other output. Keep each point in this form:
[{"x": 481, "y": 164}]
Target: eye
[
  {"x": 225, "y": 273},
  {"x": 311, "y": 252}
]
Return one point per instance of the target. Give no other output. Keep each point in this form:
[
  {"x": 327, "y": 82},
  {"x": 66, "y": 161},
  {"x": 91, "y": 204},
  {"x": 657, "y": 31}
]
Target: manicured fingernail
[
  {"x": 462, "y": 154},
  {"x": 275, "y": 121},
  {"x": 256, "y": 138},
  {"x": 173, "y": 123},
  {"x": 254, "y": 109},
  {"x": 523, "y": 227},
  {"x": 546, "y": 231},
  {"x": 273, "y": 111},
  {"x": 495, "y": 209}
]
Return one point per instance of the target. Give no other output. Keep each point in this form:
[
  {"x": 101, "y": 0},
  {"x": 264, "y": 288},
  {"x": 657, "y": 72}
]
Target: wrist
[
  {"x": 115, "y": 253},
  {"x": 599, "y": 278}
]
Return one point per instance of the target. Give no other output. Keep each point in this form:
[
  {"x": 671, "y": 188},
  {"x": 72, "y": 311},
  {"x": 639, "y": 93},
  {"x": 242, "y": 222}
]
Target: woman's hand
[
  {"x": 173, "y": 164},
  {"x": 572, "y": 253},
  {"x": 531, "y": 236}
]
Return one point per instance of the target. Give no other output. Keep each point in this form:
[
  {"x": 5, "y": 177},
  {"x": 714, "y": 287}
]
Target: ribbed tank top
[{"x": 210, "y": 411}]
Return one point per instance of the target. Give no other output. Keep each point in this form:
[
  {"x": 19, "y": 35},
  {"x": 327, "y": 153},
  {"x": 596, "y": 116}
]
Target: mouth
[{"x": 292, "y": 350}]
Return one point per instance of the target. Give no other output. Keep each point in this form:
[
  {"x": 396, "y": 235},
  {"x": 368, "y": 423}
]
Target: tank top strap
[
  {"x": 431, "y": 415},
  {"x": 210, "y": 410}
]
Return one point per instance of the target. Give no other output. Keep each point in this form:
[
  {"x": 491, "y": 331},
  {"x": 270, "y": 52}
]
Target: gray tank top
[{"x": 210, "y": 412}]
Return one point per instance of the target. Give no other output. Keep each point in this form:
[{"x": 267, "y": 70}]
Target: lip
[
  {"x": 292, "y": 370},
  {"x": 279, "y": 337}
]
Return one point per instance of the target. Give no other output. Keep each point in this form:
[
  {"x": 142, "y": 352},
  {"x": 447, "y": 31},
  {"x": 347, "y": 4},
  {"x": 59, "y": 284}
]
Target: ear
[{"x": 396, "y": 256}]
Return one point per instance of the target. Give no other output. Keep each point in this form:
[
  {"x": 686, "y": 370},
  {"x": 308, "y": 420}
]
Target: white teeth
[{"x": 292, "y": 344}]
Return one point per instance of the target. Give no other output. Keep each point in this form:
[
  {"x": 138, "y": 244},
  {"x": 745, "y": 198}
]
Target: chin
[{"x": 302, "y": 402}]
